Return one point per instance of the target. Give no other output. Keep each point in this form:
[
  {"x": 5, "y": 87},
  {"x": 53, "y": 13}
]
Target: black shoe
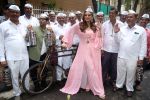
[
  {"x": 129, "y": 93},
  {"x": 60, "y": 83},
  {"x": 81, "y": 90},
  {"x": 113, "y": 84},
  {"x": 116, "y": 89},
  {"x": 15, "y": 98}
]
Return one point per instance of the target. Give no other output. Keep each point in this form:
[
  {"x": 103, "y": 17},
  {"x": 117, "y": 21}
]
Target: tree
[
  {"x": 145, "y": 7},
  {"x": 94, "y": 2},
  {"x": 128, "y": 4},
  {"x": 135, "y": 4},
  {"x": 119, "y": 5}
]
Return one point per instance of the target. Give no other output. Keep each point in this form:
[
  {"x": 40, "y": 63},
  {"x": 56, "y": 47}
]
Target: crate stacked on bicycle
[{"x": 5, "y": 79}]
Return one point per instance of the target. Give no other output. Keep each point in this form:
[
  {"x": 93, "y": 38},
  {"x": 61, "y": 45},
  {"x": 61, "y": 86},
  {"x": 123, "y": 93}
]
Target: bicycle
[{"x": 45, "y": 71}]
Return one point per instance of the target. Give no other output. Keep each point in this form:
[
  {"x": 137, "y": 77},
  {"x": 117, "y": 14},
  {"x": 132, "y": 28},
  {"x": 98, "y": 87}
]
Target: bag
[
  {"x": 5, "y": 79},
  {"x": 139, "y": 73}
]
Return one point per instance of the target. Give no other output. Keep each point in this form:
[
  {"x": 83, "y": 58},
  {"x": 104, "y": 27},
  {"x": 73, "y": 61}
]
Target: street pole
[{"x": 97, "y": 5}]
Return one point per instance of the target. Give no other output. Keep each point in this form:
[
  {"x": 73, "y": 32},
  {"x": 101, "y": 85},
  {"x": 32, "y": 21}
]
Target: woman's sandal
[
  {"x": 68, "y": 97},
  {"x": 87, "y": 90},
  {"x": 102, "y": 97}
]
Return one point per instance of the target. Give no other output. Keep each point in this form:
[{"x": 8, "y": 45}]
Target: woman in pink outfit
[{"x": 85, "y": 71}]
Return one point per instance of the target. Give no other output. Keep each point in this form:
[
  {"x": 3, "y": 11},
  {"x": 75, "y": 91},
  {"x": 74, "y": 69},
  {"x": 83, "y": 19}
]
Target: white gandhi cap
[
  {"x": 43, "y": 15},
  {"x": 145, "y": 16},
  {"x": 14, "y": 7},
  {"x": 100, "y": 13},
  {"x": 78, "y": 12},
  {"x": 28, "y": 5},
  {"x": 52, "y": 13},
  {"x": 60, "y": 15},
  {"x": 131, "y": 12},
  {"x": 124, "y": 13},
  {"x": 72, "y": 14}
]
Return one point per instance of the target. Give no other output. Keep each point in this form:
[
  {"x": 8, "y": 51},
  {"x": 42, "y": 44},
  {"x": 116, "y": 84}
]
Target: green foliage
[
  {"x": 147, "y": 4},
  {"x": 51, "y": 5},
  {"x": 127, "y": 4}
]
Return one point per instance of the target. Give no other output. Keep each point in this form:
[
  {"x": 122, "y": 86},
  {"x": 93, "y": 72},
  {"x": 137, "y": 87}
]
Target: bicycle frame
[{"x": 49, "y": 54}]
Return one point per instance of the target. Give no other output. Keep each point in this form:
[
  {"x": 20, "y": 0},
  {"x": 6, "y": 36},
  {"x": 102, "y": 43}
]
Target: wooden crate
[{"x": 1, "y": 73}]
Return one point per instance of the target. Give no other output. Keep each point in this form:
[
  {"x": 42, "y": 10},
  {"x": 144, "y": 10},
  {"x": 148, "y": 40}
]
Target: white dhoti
[
  {"x": 18, "y": 67},
  {"x": 65, "y": 63},
  {"x": 126, "y": 69}
]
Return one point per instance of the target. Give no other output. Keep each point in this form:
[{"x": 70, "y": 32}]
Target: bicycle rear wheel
[{"x": 40, "y": 80}]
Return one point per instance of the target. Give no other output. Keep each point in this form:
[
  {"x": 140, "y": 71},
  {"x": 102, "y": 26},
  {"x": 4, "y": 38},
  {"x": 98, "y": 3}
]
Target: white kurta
[
  {"x": 12, "y": 41},
  {"x": 109, "y": 43},
  {"x": 133, "y": 42},
  {"x": 65, "y": 62},
  {"x": 133, "y": 46},
  {"x": 32, "y": 21},
  {"x": 13, "y": 50},
  {"x": 25, "y": 22},
  {"x": 2, "y": 19}
]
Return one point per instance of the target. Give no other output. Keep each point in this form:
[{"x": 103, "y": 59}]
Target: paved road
[{"x": 54, "y": 94}]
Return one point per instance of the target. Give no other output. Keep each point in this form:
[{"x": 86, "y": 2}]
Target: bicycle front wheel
[{"x": 40, "y": 78}]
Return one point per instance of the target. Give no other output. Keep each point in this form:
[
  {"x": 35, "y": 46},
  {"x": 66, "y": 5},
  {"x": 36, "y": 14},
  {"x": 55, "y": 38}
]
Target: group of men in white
[
  {"x": 124, "y": 47},
  {"x": 124, "y": 44}
]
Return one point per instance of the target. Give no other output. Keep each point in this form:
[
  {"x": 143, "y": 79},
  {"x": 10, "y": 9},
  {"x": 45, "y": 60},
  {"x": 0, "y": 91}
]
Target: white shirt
[
  {"x": 77, "y": 21},
  {"x": 58, "y": 31},
  {"x": 109, "y": 43},
  {"x": 12, "y": 43},
  {"x": 43, "y": 49},
  {"x": 133, "y": 42},
  {"x": 25, "y": 21},
  {"x": 52, "y": 23},
  {"x": 125, "y": 23},
  {"x": 2, "y": 19},
  {"x": 32, "y": 21},
  {"x": 148, "y": 26}
]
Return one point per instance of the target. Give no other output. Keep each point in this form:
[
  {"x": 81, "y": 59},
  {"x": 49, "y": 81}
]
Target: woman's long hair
[{"x": 84, "y": 25}]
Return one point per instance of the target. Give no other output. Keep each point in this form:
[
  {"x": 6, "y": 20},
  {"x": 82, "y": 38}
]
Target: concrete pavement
[{"x": 54, "y": 94}]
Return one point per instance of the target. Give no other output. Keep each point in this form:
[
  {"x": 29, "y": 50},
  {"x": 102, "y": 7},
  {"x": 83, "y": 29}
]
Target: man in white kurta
[
  {"x": 110, "y": 48},
  {"x": 59, "y": 29},
  {"x": 52, "y": 18},
  {"x": 13, "y": 50},
  {"x": 72, "y": 21},
  {"x": 132, "y": 49},
  {"x": 27, "y": 19}
]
